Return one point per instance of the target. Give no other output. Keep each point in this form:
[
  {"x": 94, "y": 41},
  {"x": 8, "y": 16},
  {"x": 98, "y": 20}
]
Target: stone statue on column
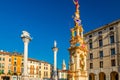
[{"x": 26, "y": 39}]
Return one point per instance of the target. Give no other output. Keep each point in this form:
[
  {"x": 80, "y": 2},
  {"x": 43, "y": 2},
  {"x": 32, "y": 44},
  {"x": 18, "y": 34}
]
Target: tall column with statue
[
  {"x": 26, "y": 39},
  {"x": 55, "y": 50}
]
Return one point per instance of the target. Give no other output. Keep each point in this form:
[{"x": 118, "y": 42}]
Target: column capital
[
  {"x": 26, "y": 36},
  {"x": 55, "y": 49}
]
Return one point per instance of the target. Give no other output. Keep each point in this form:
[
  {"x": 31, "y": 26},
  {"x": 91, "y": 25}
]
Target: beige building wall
[
  {"x": 62, "y": 74},
  {"x": 33, "y": 67},
  {"x": 4, "y": 61},
  {"x": 110, "y": 69},
  {"x": 7, "y": 63},
  {"x": 45, "y": 70},
  {"x": 39, "y": 69}
]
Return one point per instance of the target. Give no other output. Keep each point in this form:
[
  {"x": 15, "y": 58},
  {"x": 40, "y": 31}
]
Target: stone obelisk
[
  {"x": 26, "y": 39},
  {"x": 55, "y": 50}
]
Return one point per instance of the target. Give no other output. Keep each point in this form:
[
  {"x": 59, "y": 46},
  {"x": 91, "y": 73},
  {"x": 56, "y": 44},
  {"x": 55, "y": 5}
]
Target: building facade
[
  {"x": 39, "y": 69},
  {"x": 33, "y": 68},
  {"x": 11, "y": 67},
  {"x": 16, "y": 64},
  {"x": 104, "y": 52},
  {"x": 5, "y": 64},
  {"x": 45, "y": 70}
]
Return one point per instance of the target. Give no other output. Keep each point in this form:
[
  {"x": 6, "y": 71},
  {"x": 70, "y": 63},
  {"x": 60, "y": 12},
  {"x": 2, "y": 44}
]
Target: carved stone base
[{"x": 55, "y": 75}]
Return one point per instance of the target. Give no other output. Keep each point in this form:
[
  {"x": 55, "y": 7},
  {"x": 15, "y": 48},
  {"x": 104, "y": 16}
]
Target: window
[
  {"x": 101, "y": 54},
  {"x": 3, "y": 59},
  {"x": 22, "y": 70},
  {"x": 14, "y": 69},
  {"x": 15, "y": 58},
  {"x": 39, "y": 63},
  {"x": 46, "y": 68},
  {"x": 9, "y": 59},
  {"x": 3, "y": 65},
  {"x": 2, "y": 71},
  {"x": 44, "y": 73},
  {"x": 0, "y": 65},
  {"x": 113, "y": 62},
  {"x": 90, "y": 36},
  {"x": 62, "y": 74},
  {"x": 14, "y": 63},
  {"x": 112, "y": 39},
  {"x": 91, "y": 55},
  {"x": 39, "y": 67},
  {"x": 90, "y": 45},
  {"x": 91, "y": 65},
  {"x": 100, "y": 43},
  {"x": 100, "y": 32},
  {"x": 40, "y": 74},
  {"x": 22, "y": 64},
  {"x": 101, "y": 64},
  {"x": 111, "y": 28},
  {"x": 113, "y": 51},
  {"x": 9, "y": 71}
]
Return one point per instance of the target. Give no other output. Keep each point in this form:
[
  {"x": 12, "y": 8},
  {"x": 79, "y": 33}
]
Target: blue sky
[{"x": 49, "y": 20}]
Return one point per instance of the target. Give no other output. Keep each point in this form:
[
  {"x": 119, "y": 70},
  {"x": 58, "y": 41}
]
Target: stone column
[
  {"x": 26, "y": 39},
  {"x": 55, "y": 49},
  {"x": 108, "y": 77}
]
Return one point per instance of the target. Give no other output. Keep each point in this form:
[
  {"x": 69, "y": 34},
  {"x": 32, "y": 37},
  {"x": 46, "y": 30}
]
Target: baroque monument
[{"x": 78, "y": 50}]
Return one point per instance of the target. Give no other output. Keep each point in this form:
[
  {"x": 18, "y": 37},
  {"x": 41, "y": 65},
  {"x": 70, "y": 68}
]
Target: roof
[
  {"x": 31, "y": 59},
  {"x": 17, "y": 54},
  {"x": 6, "y": 53},
  {"x": 102, "y": 27}
]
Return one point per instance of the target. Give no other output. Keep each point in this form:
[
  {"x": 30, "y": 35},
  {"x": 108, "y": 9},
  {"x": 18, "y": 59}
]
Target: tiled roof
[{"x": 5, "y": 53}]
